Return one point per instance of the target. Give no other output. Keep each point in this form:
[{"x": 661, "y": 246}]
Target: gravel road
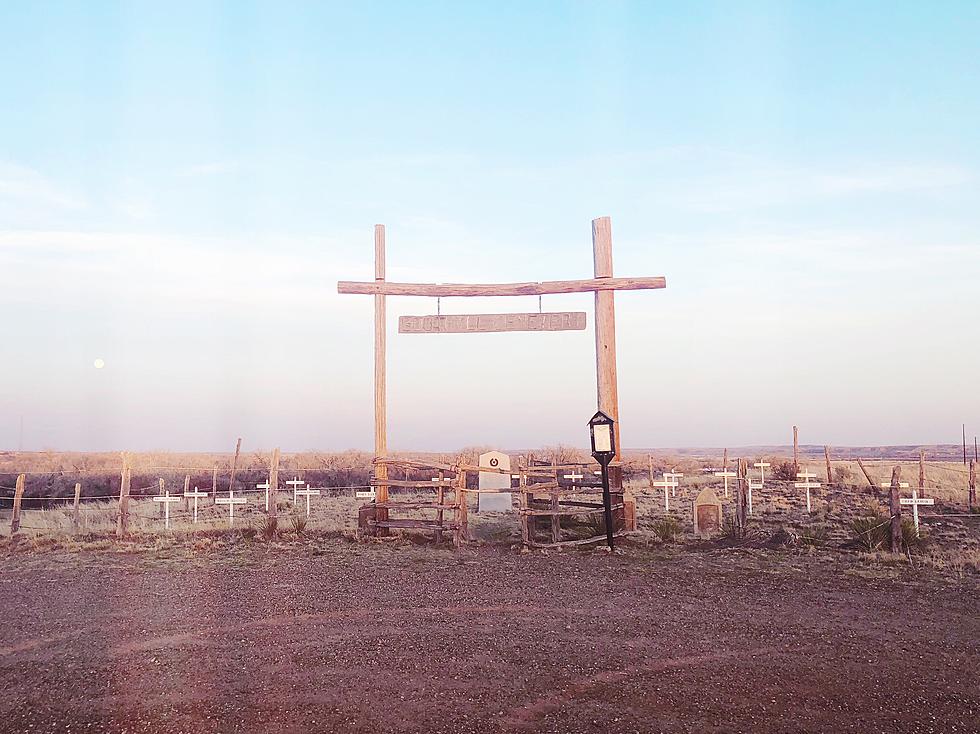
[{"x": 334, "y": 636}]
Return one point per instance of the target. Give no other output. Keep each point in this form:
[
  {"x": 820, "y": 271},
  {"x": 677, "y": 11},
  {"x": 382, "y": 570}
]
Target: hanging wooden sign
[{"x": 484, "y": 322}]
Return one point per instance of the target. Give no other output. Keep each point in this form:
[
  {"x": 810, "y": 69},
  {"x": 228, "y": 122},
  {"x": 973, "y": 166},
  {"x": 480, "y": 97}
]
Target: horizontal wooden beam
[
  {"x": 486, "y": 322},
  {"x": 543, "y": 288}
]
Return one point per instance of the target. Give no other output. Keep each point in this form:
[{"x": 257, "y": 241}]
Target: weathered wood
[
  {"x": 895, "y": 507},
  {"x": 553, "y": 501},
  {"x": 724, "y": 461},
  {"x": 523, "y": 501},
  {"x": 380, "y": 372},
  {"x": 972, "y": 494},
  {"x": 122, "y": 524},
  {"x": 830, "y": 474},
  {"x": 463, "y": 513},
  {"x": 741, "y": 494},
  {"x": 187, "y": 488},
  {"x": 440, "y": 499},
  {"x": 605, "y": 328},
  {"x": 234, "y": 465},
  {"x": 380, "y": 287},
  {"x": 214, "y": 483},
  {"x": 161, "y": 488},
  {"x": 650, "y": 469},
  {"x": 581, "y": 541},
  {"x": 796, "y": 450},
  {"x": 864, "y": 469},
  {"x": 567, "y": 513},
  {"x": 75, "y": 512},
  {"x": 406, "y": 484},
  {"x": 18, "y": 498},
  {"x": 417, "y": 505},
  {"x": 492, "y": 322},
  {"x": 922, "y": 472},
  {"x": 274, "y": 485},
  {"x": 412, "y": 523}
]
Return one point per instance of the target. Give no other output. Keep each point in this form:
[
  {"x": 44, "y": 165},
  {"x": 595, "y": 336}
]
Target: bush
[
  {"x": 815, "y": 535},
  {"x": 299, "y": 523},
  {"x": 249, "y": 533},
  {"x": 784, "y": 471},
  {"x": 269, "y": 529},
  {"x": 667, "y": 529},
  {"x": 873, "y": 532}
]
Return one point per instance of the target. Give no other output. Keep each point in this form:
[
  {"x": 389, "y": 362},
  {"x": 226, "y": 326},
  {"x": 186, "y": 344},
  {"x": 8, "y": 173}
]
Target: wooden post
[
  {"x": 273, "y": 484},
  {"x": 650, "y": 468},
  {"x": 18, "y": 497},
  {"x": 555, "y": 526},
  {"x": 867, "y": 476},
  {"x": 234, "y": 465},
  {"x": 187, "y": 488},
  {"x": 741, "y": 497},
  {"x": 895, "y": 507},
  {"x": 724, "y": 461},
  {"x": 440, "y": 498},
  {"x": 972, "y": 495},
  {"x": 214, "y": 483},
  {"x": 75, "y": 517},
  {"x": 796, "y": 450},
  {"x": 830, "y": 474},
  {"x": 380, "y": 387},
  {"x": 922, "y": 473},
  {"x": 524, "y": 504},
  {"x": 462, "y": 513},
  {"x": 607, "y": 386},
  {"x": 162, "y": 488},
  {"x": 122, "y": 525}
]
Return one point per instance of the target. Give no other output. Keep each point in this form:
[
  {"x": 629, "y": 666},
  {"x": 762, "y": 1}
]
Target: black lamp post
[{"x": 603, "y": 450}]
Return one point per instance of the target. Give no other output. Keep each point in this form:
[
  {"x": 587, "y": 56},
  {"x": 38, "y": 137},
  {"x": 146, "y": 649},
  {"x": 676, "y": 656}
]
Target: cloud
[{"x": 20, "y": 185}]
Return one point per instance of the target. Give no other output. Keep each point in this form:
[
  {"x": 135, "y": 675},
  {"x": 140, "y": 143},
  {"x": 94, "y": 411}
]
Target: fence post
[
  {"x": 18, "y": 496},
  {"x": 796, "y": 450},
  {"x": 187, "y": 488},
  {"x": 922, "y": 473},
  {"x": 214, "y": 483},
  {"x": 866, "y": 475},
  {"x": 234, "y": 464},
  {"x": 123, "y": 523},
  {"x": 740, "y": 494},
  {"x": 830, "y": 474},
  {"x": 895, "y": 506},
  {"x": 273, "y": 483},
  {"x": 75, "y": 516},
  {"x": 163, "y": 487},
  {"x": 972, "y": 498}
]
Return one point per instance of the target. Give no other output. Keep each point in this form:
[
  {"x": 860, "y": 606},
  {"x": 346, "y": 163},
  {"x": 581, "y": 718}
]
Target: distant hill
[{"x": 934, "y": 452}]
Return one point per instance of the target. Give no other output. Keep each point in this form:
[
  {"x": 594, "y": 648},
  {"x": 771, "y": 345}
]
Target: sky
[{"x": 183, "y": 184}]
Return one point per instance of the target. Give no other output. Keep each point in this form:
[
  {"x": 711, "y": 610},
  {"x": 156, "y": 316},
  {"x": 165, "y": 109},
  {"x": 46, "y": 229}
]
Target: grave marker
[
  {"x": 752, "y": 485},
  {"x": 807, "y": 485},
  {"x": 707, "y": 513},
  {"x": 573, "y": 476},
  {"x": 231, "y": 500},
  {"x": 666, "y": 484},
  {"x": 497, "y": 501},
  {"x": 307, "y": 493},
  {"x": 761, "y": 466},
  {"x": 915, "y": 501},
  {"x": 195, "y": 495},
  {"x": 296, "y": 484},
  {"x": 726, "y": 474},
  {"x": 265, "y": 486},
  {"x": 166, "y": 499},
  {"x": 673, "y": 477}
]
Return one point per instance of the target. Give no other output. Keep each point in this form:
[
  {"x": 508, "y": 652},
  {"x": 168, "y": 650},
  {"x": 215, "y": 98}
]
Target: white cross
[
  {"x": 666, "y": 484},
  {"x": 166, "y": 499},
  {"x": 573, "y": 476},
  {"x": 307, "y": 492},
  {"x": 752, "y": 485},
  {"x": 195, "y": 494},
  {"x": 901, "y": 485},
  {"x": 673, "y": 477},
  {"x": 265, "y": 486},
  {"x": 442, "y": 480},
  {"x": 296, "y": 484},
  {"x": 726, "y": 475},
  {"x": 915, "y": 501},
  {"x": 807, "y": 485},
  {"x": 761, "y": 466},
  {"x": 231, "y": 500}
]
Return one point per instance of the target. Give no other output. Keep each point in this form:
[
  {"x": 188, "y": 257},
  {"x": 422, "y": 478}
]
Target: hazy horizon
[{"x": 181, "y": 187}]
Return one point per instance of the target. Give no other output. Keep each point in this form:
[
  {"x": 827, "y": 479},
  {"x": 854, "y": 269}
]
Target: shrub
[
  {"x": 815, "y": 535},
  {"x": 269, "y": 529},
  {"x": 784, "y": 471},
  {"x": 249, "y": 533},
  {"x": 667, "y": 529},
  {"x": 299, "y": 523},
  {"x": 873, "y": 532}
]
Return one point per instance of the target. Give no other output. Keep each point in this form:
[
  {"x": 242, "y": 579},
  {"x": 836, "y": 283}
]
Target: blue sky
[{"x": 181, "y": 186}]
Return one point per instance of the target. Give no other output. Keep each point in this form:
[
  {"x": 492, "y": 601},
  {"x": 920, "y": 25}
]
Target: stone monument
[
  {"x": 495, "y": 502},
  {"x": 707, "y": 514}
]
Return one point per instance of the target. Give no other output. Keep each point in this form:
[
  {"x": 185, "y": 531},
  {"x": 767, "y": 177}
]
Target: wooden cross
[
  {"x": 667, "y": 485},
  {"x": 307, "y": 493},
  {"x": 442, "y": 480},
  {"x": 761, "y": 466},
  {"x": 195, "y": 495},
  {"x": 166, "y": 499},
  {"x": 752, "y": 485},
  {"x": 603, "y": 285},
  {"x": 726, "y": 474},
  {"x": 915, "y": 501},
  {"x": 231, "y": 500},
  {"x": 807, "y": 485},
  {"x": 573, "y": 476},
  {"x": 673, "y": 477},
  {"x": 265, "y": 486},
  {"x": 296, "y": 483}
]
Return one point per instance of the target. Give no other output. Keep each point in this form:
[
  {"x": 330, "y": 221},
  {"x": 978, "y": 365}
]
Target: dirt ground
[{"x": 337, "y": 636}]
